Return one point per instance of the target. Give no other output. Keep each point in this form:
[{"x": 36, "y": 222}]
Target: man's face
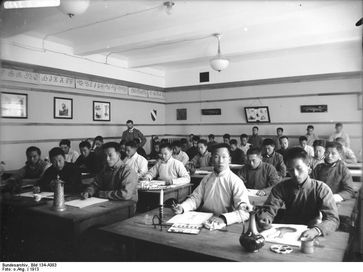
[
  {"x": 165, "y": 154},
  {"x": 332, "y": 155},
  {"x": 130, "y": 125},
  {"x": 123, "y": 148},
  {"x": 254, "y": 160},
  {"x": 233, "y": 147},
  {"x": 98, "y": 144},
  {"x": 269, "y": 149},
  {"x": 279, "y": 132},
  {"x": 58, "y": 162},
  {"x": 303, "y": 143},
  {"x": 33, "y": 157},
  {"x": 284, "y": 143},
  {"x": 201, "y": 148},
  {"x": 176, "y": 150},
  {"x": 319, "y": 152},
  {"x": 298, "y": 170},
  {"x": 211, "y": 139},
  {"x": 243, "y": 141},
  {"x": 65, "y": 148},
  {"x": 226, "y": 140},
  {"x": 195, "y": 143},
  {"x": 85, "y": 151},
  {"x": 254, "y": 131},
  {"x": 310, "y": 131},
  {"x": 191, "y": 137},
  {"x": 157, "y": 148},
  {"x": 112, "y": 156},
  {"x": 130, "y": 151},
  {"x": 338, "y": 129},
  {"x": 221, "y": 159}
]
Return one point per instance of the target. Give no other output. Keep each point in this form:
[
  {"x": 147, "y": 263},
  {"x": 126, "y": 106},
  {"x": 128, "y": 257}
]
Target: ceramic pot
[{"x": 251, "y": 240}]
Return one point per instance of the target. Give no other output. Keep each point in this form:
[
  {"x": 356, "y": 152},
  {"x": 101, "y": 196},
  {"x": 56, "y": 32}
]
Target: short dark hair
[
  {"x": 196, "y": 138},
  {"x": 336, "y": 145},
  {"x": 129, "y": 121},
  {"x": 243, "y": 136},
  {"x": 176, "y": 143},
  {"x": 165, "y": 145},
  {"x": 211, "y": 136},
  {"x": 220, "y": 145},
  {"x": 319, "y": 143},
  {"x": 31, "y": 149},
  {"x": 183, "y": 140},
  {"x": 99, "y": 138},
  {"x": 310, "y": 126},
  {"x": 297, "y": 153},
  {"x": 226, "y": 136},
  {"x": 280, "y": 128},
  {"x": 233, "y": 142},
  {"x": 254, "y": 151},
  {"x": 255, "y": 127},
  {"x": 114, "y": 145},
  {"x": 268, "y": 141},
  {"x": 302, "y": 138},
  {"x": 123, "y": 142},
  {"x": 85, "y": 144},
  {"x": 338, "y": 124},
  {"x": 131, "y": 144},
  {"x": 203, "y": 141},
  {"x": 65, "y": 142},
  {"x": 283, "y": 137},
  {"x": 55, "y": 151}
]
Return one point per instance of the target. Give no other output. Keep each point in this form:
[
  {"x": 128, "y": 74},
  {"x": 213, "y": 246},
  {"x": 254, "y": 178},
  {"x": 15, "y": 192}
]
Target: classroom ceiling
[{"x": 142, "y": 34}]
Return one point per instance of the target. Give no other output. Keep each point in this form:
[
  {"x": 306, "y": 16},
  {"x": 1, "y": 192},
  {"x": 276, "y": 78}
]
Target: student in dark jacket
[
  {"x": 193, "y": 151},
  {"x": 88, "y": 162},
  {"x": 255, "y": 140},
  {"x": 307, "y": 201},
  {"x": 237, "y": 155},
  {"x": 271, "y": 157}
]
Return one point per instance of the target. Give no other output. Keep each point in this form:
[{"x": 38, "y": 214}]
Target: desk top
[
  {"x": 355, "y": 165},
  {"x": 225, "y": 245}
]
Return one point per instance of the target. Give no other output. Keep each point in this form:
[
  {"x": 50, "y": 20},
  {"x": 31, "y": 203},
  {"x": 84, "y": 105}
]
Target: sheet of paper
[
  {"x": 252, "y": 192},
  {"x": 286, "y": 234},
  {"x": 82, "y": 203},
  {"x": 192, "y": 218},
  {"x": 43, "y": 194}
]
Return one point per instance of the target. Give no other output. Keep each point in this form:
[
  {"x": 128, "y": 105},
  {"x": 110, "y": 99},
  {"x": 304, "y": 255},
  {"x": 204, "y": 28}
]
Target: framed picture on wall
[
  {"x": 14, "y": 105},
  {"x": 181, "y": 114},
  {"x": 101, "y": 111},
  {"x": 63, "y": 108},
  {"x": 257, "y": 114}
]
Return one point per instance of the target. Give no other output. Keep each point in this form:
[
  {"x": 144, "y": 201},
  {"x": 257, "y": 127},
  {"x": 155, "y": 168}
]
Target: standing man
[
  {"x": 131, "y": 133},
  {"x": 339, "y": 133},
  {"x": 255, "y": 140},
  {"x": 310, "y": 135}
]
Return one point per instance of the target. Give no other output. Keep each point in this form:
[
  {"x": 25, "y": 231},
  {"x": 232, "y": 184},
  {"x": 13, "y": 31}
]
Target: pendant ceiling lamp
[
  {"x": 219, "y": 62},
  {"x": 74, "y": 7}
]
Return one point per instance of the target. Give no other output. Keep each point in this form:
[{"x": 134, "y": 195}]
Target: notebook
[
  {"x": 189, "y": 222},
  {"x": 82, "y": 203}
]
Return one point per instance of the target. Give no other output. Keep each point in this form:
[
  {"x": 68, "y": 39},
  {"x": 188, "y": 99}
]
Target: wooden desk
[
  {"x": 42, "y": 234},
  {"x": 356, "y": 174},
  {"x": 149, "y": 200},
  {"x": 146, "y": 243}
]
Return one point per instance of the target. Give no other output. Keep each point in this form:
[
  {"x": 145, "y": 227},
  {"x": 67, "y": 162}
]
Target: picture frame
[
  {"x": 101, "y": 111},
  {"x": 63, "y": 108},
  {"x": 313, "y": 108},
  {"x": 257, "y": 114},
  {"x": 181, "y": 114},
  {"x": 14, "y": 105}
]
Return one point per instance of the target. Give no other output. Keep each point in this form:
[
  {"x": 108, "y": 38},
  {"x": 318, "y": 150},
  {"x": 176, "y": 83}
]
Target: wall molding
[
  {"x": 73, "y": 124},
  {"x": 264, "y": 124}
]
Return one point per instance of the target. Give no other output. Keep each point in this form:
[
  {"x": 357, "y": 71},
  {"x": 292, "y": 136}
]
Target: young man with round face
[
  {"x": 237, "y": 155},
  {"x": 273, "y": 158},
  {"x": 304, "y": 145},
  {"x": 347, "y": 154},
  {"x": 257, "y": 174},
  {"x": 179, "y": 154},
  {"x": 155, "y": 153},
  {"x": 255, "y": 140},
  {"x": 310, "y": 135},
  {"x": 97, "y": 143},
  {"x": 226, "y": 138},
  {"x": 304, "y": 199},
  {"x": 134, "y": 160},
  {"x": 340, "y": 133},
  {"x": 88, "y": 162},
  {"x": 68, "y": 173},
  {"x": 276, "y": 139},
  {"x": 116, "y": 181},
  {"x": 335, "y": 173},
  {"x": 193, "y": 150},
  {"x": 245, "y": 145},
  {"x": 284, "y": 146},
  {"x": 168, "y": 169},
  {"x": 203, "y": 158},
  {"x": 221, "y": 192},
  {"x": 131, "y": 134},
  {"x": 319, "y": 153},
  {"x": 211, "y": 142},
  {"x": 70, "y": 154}
]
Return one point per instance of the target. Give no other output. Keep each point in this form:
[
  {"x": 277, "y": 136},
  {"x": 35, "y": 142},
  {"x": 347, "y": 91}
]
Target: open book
[
  {"x": 189, "y": 222},
  {"x": 286, "y": 234}
]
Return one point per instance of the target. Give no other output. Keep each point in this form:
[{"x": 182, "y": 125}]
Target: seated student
[
  {"x": 192, "y": 151},
  {"x": 203, "y": 158},
  {"x": 304, "y": 198},
  {"x": 168, "y": 169},
  {"x": 276, "y": 139},
  {"x": 88, "y": 162},
  {"x": 71, "y": 155},
  {"x": 116, "y": 181},
  {"x": 273, "y": 158},
  {"x": 97, "y": 144},
  {"x": 347, "y": 154},
  {"x": 255, "y": 140},
  {"x": 178, "y": 154},
  {"x": 245, "y": 145},
  {"x": 226, "y": 138},
  {"x": 304, "y": 145},
  {"x": 140, "y": 150},
  {"x": 237, "y": 155},
  {"x": 335, "y": 173},
  {"x": 135, "y": 161},
  {"x": 122, "y": 149},
  {"x": 220, "y": 192},
  {"x": 284, "y": 143},
  {"x": 319, "y": 151},
  {"x": 257, "y": 174},
  {"x": 34, "y": 168},
  {"x": 339, "y": 133},
  {"x": 184, "y": 144},
  {"x": 310, "y": 135},
  {"x": 211, "y": 142},
  {"x": 67, "y": 172},
  {"x": 190, "y": 140},
  {"x": 155, "y": 153}
]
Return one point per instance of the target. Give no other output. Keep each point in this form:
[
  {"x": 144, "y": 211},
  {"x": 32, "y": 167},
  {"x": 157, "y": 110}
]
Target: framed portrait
[
  {"x": 101, "y": 111},
  {"x": 257, "y": 115},
  {"x": 14, "y": 105},
  {"x": 181, "y": 114},
  {"x": 63, "y": 108}
]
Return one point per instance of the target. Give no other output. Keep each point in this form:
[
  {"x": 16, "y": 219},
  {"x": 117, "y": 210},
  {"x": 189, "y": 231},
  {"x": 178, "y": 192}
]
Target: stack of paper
[
  {"x": 82, "y": 203},
  {"x": 189, "y": 222},
  {"x": 42, "y": 194}
]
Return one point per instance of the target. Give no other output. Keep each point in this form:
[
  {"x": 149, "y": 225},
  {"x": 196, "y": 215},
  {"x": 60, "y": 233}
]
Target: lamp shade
[
  {"x": 74, "y": 7},
  {"x": 219, "y": 63}
]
